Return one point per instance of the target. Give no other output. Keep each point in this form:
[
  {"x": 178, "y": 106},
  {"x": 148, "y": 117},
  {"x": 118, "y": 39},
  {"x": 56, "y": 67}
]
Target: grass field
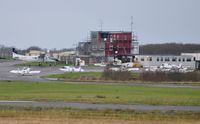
[
  {"x": 76, "y": 75},
  {"x": 76, "y": 116},
  {"x": 98, "y": 93},
  {"x": 98, "y": 76},
  {"x": 84, "y": 76}
]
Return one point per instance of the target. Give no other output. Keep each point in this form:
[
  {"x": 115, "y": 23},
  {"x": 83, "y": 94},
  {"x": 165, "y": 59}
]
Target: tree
[{"x": 33, "y": 48}]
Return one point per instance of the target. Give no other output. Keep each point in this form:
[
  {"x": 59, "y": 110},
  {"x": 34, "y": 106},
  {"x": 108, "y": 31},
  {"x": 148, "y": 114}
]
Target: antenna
[
  {"x": 101, "y": 25},
  {"x": 131, "y": 23}
]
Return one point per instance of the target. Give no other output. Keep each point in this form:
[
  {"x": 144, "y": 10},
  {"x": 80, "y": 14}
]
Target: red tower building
[
  {"x": 118, "y": 44},
  {"x": 111, "y": 44}
]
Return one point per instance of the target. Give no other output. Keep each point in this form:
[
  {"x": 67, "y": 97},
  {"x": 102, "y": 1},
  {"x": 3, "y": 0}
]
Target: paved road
[
  {"x": 6, "y": 66},
  {"x": 99, "y": 106}
]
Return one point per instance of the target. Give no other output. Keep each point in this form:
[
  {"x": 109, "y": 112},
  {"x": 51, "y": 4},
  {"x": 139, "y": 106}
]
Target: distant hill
[{"x": 169, "y": 49}]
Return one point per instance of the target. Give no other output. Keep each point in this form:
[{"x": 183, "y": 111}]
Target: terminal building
[
  {"x": 185, "y": 60},
  {"x": 105, "y": 46}
]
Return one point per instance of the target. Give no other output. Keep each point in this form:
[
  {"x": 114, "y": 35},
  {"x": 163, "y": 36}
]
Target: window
[
  {"x": 142, "y": 59},
  {"x": 150, "y": 58},
  {"x": 189, "y": 60},
  {"x": 161, "y": 59},
  {"x": 111, "y": 40},
  {"x": 174, "y": 59},
  {"x": 194, "y": 59},
  {"x": 125, "y": 37},
  {"x": 167, "y": 59},
  {"x": 111, "y": 48},
  {"x": 94, "y": 47},
  {"x": 117, "y": 37},
  {"x": 179, "y": 59},
  {"x": 158, "y": 59},
  {"x": 183, "y": 59},
  {"x": 114, "y": 37}
]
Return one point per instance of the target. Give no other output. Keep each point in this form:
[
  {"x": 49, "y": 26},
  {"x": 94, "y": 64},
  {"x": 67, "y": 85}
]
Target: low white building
[
  {"x": 197, "y": 57},
  {"x": 158, "y": 60}
]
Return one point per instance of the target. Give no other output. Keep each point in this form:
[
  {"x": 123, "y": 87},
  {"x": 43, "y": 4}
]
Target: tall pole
[
  {"x": 101, "y": 25},
  {"x": 131, "y": 23}
]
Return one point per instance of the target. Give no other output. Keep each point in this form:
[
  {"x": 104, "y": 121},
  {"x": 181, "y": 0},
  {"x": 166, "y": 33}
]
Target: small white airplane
[
  {"x": 32, "y": 58},
  {"x": 100, "y": 64},
  {"x": 167, "y": 67},
  {"x": 24, "y": 71},
  {"x": 170, "y": 67},
  {"x": 71, "y": 69}
]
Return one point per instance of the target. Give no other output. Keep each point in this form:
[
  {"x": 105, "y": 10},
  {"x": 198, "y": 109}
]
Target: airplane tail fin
[{"x": 14, "y": 50}]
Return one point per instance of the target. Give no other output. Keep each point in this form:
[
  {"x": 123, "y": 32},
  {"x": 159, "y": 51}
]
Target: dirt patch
[{"x": 64, "y": 120}]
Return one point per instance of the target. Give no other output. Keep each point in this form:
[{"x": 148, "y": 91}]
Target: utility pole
[
  {"x": 131, "y": 23},
  {"x": 101, "y": 25}
]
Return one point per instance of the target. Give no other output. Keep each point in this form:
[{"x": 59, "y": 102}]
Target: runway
[
  {"x": 59, "y": 104},
  {"x": 6, "y": 66}
]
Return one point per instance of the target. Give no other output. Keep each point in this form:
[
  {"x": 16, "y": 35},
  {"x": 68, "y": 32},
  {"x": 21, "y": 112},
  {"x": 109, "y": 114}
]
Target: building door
[{"x": 198, "y": 65}]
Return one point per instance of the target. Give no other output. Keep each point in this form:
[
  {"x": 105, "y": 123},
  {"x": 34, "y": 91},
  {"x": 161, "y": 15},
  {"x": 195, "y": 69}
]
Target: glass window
[
  {"x": 189, "y": 59},
  {"x": 125, "y": 37},
  {"x": 150, "y": 58},
  {"x": 174, "y": 59},
  {"x": 167, "y": 59},
  {"x": 161, "y": 59}
]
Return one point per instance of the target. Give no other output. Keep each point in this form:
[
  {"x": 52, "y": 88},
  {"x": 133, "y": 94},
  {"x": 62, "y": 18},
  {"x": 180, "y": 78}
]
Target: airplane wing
[
  {"x": 14, "y": 71},
  {"x": 65, "y": 70},
  {"x": 34, "y": 72}
]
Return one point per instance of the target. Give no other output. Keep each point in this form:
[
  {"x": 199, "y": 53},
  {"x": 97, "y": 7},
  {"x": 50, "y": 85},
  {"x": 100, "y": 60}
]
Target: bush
[
  {"x": 116, "y": 75},
  {"x": 172, "y": 76}
]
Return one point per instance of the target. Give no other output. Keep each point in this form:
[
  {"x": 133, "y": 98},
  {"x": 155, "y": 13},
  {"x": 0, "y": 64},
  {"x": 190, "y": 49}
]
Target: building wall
[
  {"x": 97, "y": 44},
  {"x": 35, "y": 53},
  {"x": 84, "y": 48},
  {"x": 5, "y": 52},
  {"x": 118, "y": 44},
  {"x": 135, "y": 47},
  {"x": 104, "y": 45},
  {"x": 156, "y": 60},
  {"x": 196, "y": 55},
  {"x": 110, "y": 44}
]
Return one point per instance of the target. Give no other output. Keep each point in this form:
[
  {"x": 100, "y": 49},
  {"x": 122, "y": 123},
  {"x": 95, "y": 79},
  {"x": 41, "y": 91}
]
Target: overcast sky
[{"x": 63, "y": 23}]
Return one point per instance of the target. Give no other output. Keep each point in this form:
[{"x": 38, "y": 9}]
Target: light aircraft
[
  {"x": 100, "y": 64},
  {"x": 125, "y": 67},
  {"x": 167, "y": 67},
  {"x": 71, "y": 69},
  {"x": 32, "y": 58},
  {"x": 24, "y": 71}
]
